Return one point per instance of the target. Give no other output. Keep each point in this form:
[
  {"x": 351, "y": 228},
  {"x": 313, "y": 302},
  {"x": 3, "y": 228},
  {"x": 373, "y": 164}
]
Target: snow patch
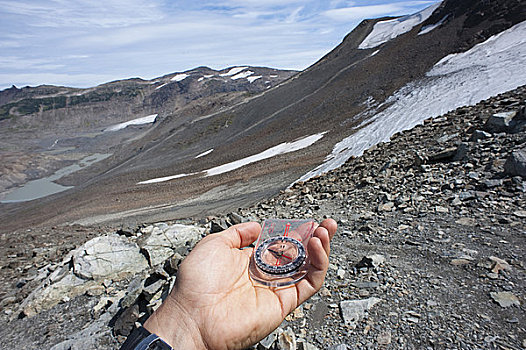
[
  {"x": 205, "y": 77},
  {"x": 233, "y": 71},
  {"x": 254, "y": 78},
  {"x": 138, "y": 121},
  {"x": 180, "y": 77},
  {"x": 386, "y": 30},
  {"x": 242, "y": 75},
  {"x": 160, "y": 86},
  {"x": 431, "y": 27},
  {"x": 488, "y": 69},
  {"x": 282, "y": 148},
  {"x": 163, "y": 179},
  {"x": 204, "y": 153}
]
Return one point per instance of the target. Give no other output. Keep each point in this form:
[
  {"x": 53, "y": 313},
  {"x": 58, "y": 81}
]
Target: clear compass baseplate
[{"x": 280, "y": 257}]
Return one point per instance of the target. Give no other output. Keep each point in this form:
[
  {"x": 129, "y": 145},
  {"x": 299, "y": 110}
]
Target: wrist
[{"x": 172, "y": 323}]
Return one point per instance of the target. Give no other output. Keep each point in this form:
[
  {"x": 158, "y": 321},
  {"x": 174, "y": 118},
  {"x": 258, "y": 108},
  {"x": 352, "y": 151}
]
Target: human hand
[{"x": 215, "y": 304}]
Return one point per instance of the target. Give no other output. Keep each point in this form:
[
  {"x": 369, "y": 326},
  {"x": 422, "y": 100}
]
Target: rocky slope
[{"x": 429, "y": 251}]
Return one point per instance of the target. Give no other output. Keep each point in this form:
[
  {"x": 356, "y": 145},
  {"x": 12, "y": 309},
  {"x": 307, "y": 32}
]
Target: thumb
[{"x": 240, "y": 236}]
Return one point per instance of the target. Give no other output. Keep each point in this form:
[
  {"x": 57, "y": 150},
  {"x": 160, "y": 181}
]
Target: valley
[{"x": 410, "y": 134}]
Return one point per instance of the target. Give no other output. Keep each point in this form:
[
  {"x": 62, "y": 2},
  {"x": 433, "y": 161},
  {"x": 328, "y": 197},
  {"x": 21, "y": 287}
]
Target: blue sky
[{"x": 83, "y": 43}]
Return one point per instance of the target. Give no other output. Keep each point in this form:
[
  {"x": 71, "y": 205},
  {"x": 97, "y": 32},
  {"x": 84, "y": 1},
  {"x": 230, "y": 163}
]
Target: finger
[
  {"x": 331, "y": 227},
  {"x": 239, "y": 236},
  {"x": 319, "y": 259},
  {"x": 323, "y": 235},
  {"x": 319, "y": 263}
]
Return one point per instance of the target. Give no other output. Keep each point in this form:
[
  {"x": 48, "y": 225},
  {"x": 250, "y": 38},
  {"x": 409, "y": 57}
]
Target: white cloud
[
  {"x": 294, "y": 16},
  {"x": 83, "y": 13},
  {"x": 65, "y": 79},
  {"x": 260, "y": 3},
  {"x": 372, "y": 11},
  {"x": 13, "y": 62},
  {"x": 87, "y": 42},
  {"x": 358, "y": 12}
]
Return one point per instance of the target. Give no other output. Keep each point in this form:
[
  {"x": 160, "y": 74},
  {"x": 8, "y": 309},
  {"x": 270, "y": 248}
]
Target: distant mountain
[
  {"x": 41, "y": 127},
  {"x": 219, "y": 153},
  {"x": 119, "y": 100}
]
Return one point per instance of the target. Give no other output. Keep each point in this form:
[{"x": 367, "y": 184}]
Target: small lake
[{"x": 46, "y": 186}]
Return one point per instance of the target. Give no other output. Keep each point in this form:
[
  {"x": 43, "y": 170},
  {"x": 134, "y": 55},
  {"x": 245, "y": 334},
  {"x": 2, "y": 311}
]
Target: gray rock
[
  {"x": 462, "y": 151},
  {"x": 480, "y": 135},
  {"x": 492, "y": 183},
  {"x": 365, "y": 284},
  {"x": 162, "y": 244},
  {"x": 132, "y": 292},
  {"x": 474, "y": 175},
  {"x": 467, "y": 195},
  {"x": 172, "y": 264},
  {"x": 152, "y": 289},
  {"x": 110, "y": 256},
  {"x": 126, "y": 321},
  {"x": 372, "y": 260},
  {"x": 516, "y": 164},
  {"x": 235, "y": 218},
  {"x": 444, "y": 155},
  {"x": 88, "y": 338},
  {"x": 505, "y": 299},
  {"x": 386, "y": 206},
  {"x": 354, "y": 310},
  {"x": 102, "y": 258},
  {"x": 218, "y": 226},
  {"x": 501, "y": 122}
]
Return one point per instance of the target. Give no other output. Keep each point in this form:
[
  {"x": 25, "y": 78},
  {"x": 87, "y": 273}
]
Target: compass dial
[{"x": 280, "y": 255}]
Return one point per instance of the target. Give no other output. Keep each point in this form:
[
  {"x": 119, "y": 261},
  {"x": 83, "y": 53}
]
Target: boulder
[
  {"x": 163, "y": 243},
  {"x": 110, "y": 256},
  {"x": 516, "y": 163},
  {"x": 510, "y": 122},
  {"x": 480, "y": 135},
  {"x": 45, "y": 297}
]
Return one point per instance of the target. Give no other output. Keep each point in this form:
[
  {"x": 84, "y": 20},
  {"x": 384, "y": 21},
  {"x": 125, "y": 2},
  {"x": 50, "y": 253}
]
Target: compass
[{"x": 280, "y": 255}]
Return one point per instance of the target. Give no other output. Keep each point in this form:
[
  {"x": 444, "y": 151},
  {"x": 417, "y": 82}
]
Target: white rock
[
  {"x": 110, "y": 256},
  {"x": 163, "y": 242},
  {"x": 43, "y": 298},
  {"x": 354, "y": 310},
  {"x": 287, "y": 340}
]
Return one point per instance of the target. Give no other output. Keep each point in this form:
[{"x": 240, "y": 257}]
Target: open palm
[{"x": 216, "y": 305}]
